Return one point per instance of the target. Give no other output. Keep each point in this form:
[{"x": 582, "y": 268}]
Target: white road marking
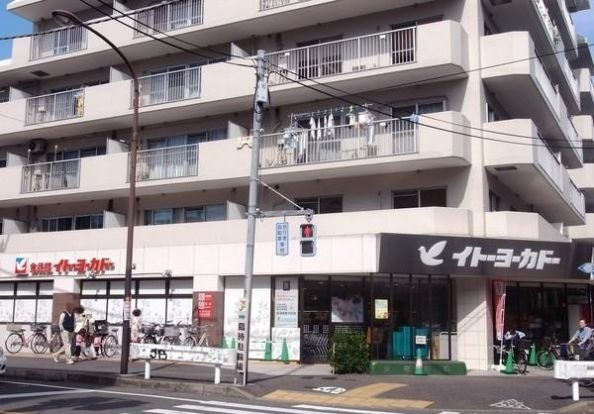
[
  {"x": 252, "y": 407},
  {"x": 41, "y": 385},
  {"x": 203, "y": 408},
  {"x": 41, "y": 394},
  {"x": 341, "y": 410}
]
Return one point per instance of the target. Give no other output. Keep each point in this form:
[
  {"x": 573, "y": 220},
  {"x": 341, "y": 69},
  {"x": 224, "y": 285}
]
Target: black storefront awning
[{"x": 407, "y": 253}]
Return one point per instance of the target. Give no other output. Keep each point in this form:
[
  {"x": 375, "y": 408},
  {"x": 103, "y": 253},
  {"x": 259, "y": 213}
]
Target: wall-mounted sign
[
  {"x": 381, "y": 309},
  {"x": 282, "y": 238},
  {"x": 95, "y": 266},
  {"x": 286, "y": 302},
  {"x": 205, "y": 305}
]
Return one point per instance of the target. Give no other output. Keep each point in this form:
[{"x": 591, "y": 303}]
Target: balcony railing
[
  {"x": 49, "y": 176},
  {"x": 172, "y": 162},
  {"x": 345, "y": 56},
  {"x": 55, "y": 106},
  {"x": 576, "y": 197},
  {"x": 273, "y": 4},
  {"x": 550, "y": 164},
  {"x": 59, "y": 42},
  {"x": 340, "y": 143},
  {"x": 173, "y": 16},
  {"x": 169, "y": 86}
]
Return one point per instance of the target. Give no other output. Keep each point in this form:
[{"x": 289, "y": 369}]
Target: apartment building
[{"x": 452, "y": 148}]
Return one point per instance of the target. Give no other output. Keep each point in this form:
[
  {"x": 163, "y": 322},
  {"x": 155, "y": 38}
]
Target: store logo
[
  {"x": 20, "y": 266},
  {"x": 429, "y": 257}
]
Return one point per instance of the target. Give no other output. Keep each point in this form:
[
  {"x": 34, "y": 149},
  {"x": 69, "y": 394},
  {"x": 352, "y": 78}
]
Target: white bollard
[
  {"x": 575, "y": 390},
  {"x": 217, "y": 378},
  {"x": 147, "y": 369}
]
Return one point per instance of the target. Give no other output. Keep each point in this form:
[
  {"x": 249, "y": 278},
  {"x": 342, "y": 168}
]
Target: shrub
[{"x": 349, "y": 353}]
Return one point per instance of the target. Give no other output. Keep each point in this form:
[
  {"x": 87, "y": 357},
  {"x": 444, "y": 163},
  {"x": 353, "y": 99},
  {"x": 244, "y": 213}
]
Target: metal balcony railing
[
  {"x": 171, "y": 162},
  {"x": 59, "y": 42},
  {"x": 49, "y": 176},
  {"x": 169, "y": 86},
  {"x": 273, "y": 4},
  {"x": 55, "y": 106},
  {"x": 395, "y": 47},
  {"x": 340, "y": 143},
  {"x": 173, "y": 16}
]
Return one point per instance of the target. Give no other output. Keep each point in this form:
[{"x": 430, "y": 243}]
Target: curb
[{"x": 51, "y": 375}]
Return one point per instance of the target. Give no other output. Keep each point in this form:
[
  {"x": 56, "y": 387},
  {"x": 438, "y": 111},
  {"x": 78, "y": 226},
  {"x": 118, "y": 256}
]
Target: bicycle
[
  {"x": 100, "y": 337},
  {"x": 200, "y": 332},
  {"x": 172, "y": 334},
  {"x": 55, "y": 343},
  {"x": 152, "y": 333},
  {"x": 514, "y": 344},
  {"x": 37, "y": 341}
]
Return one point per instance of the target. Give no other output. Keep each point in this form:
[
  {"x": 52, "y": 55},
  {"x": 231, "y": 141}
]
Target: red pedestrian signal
[
  {"x": 307, "y": 242},
  {"x": 307, "y": 231}
]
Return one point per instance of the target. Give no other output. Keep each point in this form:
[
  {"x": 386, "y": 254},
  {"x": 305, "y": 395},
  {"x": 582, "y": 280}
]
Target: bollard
[
  {"x": 217, "y": 377},
  {"x": 147, "y": 369},
  {"x": 575, "y": 390}
]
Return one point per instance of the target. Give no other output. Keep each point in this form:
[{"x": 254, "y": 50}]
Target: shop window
[
  {"x": 436, "y": 197},
  {"x": 151, "y": 287},
  {"x": 181, "y": 287},
  {"x": 321, "y": 205},
  {"x": 348, "y": 301},
  {"x": 26, "y": 302}
]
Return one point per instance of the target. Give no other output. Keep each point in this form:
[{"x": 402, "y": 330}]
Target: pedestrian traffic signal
[{"x": 307, "y": 242}]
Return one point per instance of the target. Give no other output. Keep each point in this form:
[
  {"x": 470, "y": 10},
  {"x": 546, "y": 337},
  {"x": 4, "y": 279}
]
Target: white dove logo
[{"x": 430, "y": 257}]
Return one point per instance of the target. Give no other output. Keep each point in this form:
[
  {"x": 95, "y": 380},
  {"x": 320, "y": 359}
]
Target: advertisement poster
[
  {"x": 286, "y": 302},
  {"x": 381, "y": 309},
  {"x": 499, "y": 301},
  {"x": 347, "y": 309}
]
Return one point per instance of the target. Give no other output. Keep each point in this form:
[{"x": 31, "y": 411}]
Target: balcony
[
  {"x": 169, "y": 17},
  {"x": 586, "y": 90},
  {"x": 169, "y": 86},
  {"x": 584, "y": 232},
  {"x": 584, "y": 125},
  {"x": 273, "y": 4},
  {"x": 577, "y": 5},
  {"x": 377, "y": 147},
  {"x": 559, "y": 11},
  {"x": 49, "y": 176},
  {"x": 526, "y": 91},
  {"x": 531, "y": 170},
  {"x": 55, "y": 107},
  {"x": 59, "y": 42},
  {"x": 521, "y": 226},
  {"x": 171, "y": 162},
  {"x": 584, "y": 178}
]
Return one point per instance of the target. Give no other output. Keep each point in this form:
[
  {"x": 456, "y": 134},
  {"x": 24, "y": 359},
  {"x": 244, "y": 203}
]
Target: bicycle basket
[
  {"x": 523, "y": 343},
  {"x": 11, "y": 327},
  {"x": 101, "y": 327},
  {"x": 172, "y": 331},
  {"x": 159, "y": 331},
  {"x": 147, "y": 329},
  {"x": 35, "y": 327},
  {"x": 55, "y": 329}
]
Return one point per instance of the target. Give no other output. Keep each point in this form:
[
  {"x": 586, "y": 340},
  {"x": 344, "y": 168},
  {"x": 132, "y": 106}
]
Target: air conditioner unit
[{"x": 37, "y": 146}]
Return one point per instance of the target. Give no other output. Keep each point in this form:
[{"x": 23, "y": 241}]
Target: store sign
[
  {"x": 23, "y": 267},
  {"x": 205, "y": 305},
  {"x": 241, "y": 334},
  {"x": 282, "y": 239},
  {"x": 286, "y": 302},
  {"x": 477, "y": 256}
]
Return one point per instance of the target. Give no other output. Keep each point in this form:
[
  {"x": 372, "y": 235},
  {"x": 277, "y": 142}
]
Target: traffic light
[{"x": 307, "y": 242}]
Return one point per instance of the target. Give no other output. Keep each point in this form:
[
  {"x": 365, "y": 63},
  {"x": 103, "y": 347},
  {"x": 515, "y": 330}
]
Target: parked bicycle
[
  {"x": 55, "y": 343},
  {"x": 172, "y": 334},
  {"x": 152, "y": 333},
  {"x": 101, "y": 338},
  {"x": 37, "y": 341},
  {"x": 197, "y": 336},
  {"x": 518, "y": 347}
]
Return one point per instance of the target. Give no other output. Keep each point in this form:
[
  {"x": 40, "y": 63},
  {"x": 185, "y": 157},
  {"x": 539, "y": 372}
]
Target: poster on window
[
  {"x": 286, "y": 302},
  {"x": 347, "y": 309},
  {"x": 381, "y": 309}
]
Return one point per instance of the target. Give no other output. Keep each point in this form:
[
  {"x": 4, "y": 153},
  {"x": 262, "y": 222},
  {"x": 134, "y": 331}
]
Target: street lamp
[{"x": 65, "y": 18}]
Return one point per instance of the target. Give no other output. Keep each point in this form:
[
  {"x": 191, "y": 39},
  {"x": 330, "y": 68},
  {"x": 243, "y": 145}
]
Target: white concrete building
[{"x": 465, "y": 161}]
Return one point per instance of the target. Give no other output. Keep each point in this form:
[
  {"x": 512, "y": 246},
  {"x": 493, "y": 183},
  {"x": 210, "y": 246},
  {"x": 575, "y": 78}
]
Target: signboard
[
  {"x": 405, "y": 253},
  {"x": 499, "y": 301},
  {"x": 23, "y": 267},
  {"x": 282, "y": 239},
  {"x": 420, "y": 340},
  {"x": 205, "y": 308},
  {"x": 241, "y": 334},
  {"x": 212, "y": 356},
  {"x": 381, "y": 309},
  {"x": 286, "y": 302}
]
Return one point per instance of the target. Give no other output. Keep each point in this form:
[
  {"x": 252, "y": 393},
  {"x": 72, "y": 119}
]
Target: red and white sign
[
  {"x": 499, "y": 301},
  {"x": 205, "y": 306},
  {"x": 94, "y": 266}
]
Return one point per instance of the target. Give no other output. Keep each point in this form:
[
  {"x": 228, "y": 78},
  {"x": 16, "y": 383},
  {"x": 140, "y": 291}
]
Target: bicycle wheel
[
  {"x": 55, "y": 344},
  {"x": 190, "y": 342},
  {"x": 39, "y": 343},
  {"x": 110, "y": 346},
  {"x": 545, "y": 360},
  {"x": 521, "y": 362},
  {"x": 149, "y": 339},
  {"x": 586, "y": 382},
  {"x": 14, "y": 343}
]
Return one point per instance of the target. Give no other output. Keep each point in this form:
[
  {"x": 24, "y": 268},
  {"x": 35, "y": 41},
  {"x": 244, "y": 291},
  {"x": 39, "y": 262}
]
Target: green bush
[{"x": 349, "y": 353}]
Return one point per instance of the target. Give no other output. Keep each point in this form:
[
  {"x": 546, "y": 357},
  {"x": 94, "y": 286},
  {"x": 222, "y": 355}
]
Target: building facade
[{"x": 451, "y": 148}]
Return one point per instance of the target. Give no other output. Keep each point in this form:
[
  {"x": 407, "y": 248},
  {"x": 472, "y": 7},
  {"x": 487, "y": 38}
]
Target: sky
[{"x": 11, "y": 24}]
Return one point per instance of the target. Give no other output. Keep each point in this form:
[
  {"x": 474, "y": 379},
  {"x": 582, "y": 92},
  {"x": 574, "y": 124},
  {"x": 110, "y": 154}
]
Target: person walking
[{"x": 66, "y": 325}]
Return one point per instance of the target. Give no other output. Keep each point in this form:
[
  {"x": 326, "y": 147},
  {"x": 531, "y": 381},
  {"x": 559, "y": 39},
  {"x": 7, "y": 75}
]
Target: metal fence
[
  {"x": 58, "y": 43},
  {"x": 169, "y": 162},
  {"x": 344, "y": 56},
  {"x": 48, "y": 176},
  {"x": 273, "y": 4},
  {"x": 55, "y": 106},
  {"x": 169, "y": 86},
  {"x": 341, "y": 143},
  {"x": 173, "y": 16}
]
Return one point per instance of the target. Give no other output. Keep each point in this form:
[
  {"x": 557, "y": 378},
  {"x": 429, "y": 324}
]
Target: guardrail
[
  {"x": 55, "y": 107},
  {"x": 169, "y": 86},
  {"x": 173, "y": 16},
  {"x": 49, "y": 176},
  {"x": 172, "y": 162},
  {"x": 340, "y": 143},
  {"x": 394, "y": 47},
  {"x": 60, "y": 42}
]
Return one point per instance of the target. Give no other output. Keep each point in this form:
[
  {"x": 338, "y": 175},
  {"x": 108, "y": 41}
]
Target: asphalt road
[{"x": 31, "y": 397}]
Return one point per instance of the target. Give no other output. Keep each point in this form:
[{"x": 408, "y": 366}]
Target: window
[
  {"x": 494, "y": 202},
  {"x": 420, "y": 198},
  {"x": 492, "y": 114},
  {"x": 56, "y": 224},
  {"x": 2, "y": 162},
  {"x": 76, "y": 154},
  {"x": 212, "y": 212},
  {"x": 208, "y": 136},
  {"x": 93, "y": 221},
  {"x": 26, "y": 302},
  {"x": 84, "y": 222},
  {"x": 412, "y": 23},
  {"x": 321, "y": 205},
  {"x": 424, "y": 107}
]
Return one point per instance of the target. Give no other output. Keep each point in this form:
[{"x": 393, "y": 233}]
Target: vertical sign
[
  {"x": 286, "y": 302},
  {"x": 241, "y": 335},
  {"x": 282, "y": 238},
  {"x": 205, "y": 305},
  {"x": 499, "y": 301}
]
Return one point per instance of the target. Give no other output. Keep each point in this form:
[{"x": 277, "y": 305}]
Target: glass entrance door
[{"x": 315, "y": 320}]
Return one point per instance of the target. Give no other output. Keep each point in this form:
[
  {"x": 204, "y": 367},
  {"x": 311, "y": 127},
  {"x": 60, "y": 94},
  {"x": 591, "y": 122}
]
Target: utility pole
[{"x": 260, "y": 99}]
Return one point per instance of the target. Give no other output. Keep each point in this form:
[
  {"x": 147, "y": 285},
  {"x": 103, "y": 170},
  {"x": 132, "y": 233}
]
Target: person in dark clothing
[{"x": 66, "y": 324}]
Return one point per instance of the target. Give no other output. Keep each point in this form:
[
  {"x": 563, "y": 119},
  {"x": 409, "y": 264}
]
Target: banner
[{"x": 499, "y": 302}]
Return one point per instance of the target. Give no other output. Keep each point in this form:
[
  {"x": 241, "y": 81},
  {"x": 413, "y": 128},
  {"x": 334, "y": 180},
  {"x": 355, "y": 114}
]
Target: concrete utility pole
[{"x": 260, "y": 99}]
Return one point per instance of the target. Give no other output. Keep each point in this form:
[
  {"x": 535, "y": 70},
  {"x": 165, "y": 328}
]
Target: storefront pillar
[
  {"x": 66, "y": 290},
  {"x": 475, "y": 327},
  {"x": 208, "y": 302}
]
